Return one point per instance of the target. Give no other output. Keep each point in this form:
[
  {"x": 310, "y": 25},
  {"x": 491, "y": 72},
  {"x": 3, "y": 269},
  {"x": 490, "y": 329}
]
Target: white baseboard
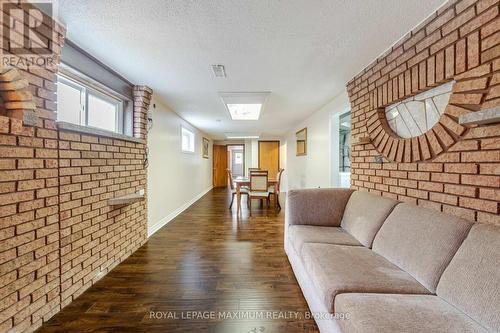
[{"x": 158, "y": 225}]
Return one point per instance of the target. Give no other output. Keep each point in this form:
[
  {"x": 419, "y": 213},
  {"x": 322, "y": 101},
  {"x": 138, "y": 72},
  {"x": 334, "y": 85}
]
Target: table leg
[{"x": 238, "y": 199}]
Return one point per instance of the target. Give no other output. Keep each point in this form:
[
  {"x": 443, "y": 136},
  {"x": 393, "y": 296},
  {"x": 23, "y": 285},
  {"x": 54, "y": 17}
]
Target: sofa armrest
[{"x": 321, "y": 207}]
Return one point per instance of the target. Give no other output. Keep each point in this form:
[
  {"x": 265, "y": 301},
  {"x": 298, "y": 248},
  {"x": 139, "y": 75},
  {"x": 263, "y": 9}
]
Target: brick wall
[
  {"x": 452, "y": 168},
  {"x": 95, "y": 237},
  {"x": 58, "y": 235}
]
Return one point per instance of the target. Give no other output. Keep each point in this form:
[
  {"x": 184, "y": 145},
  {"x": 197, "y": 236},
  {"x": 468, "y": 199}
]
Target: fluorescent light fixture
[
  {"x": 241, "y": 136},
  {"x": 244, "y": 106}
]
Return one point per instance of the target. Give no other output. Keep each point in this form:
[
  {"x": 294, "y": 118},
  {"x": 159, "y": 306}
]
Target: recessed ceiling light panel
[
  {"x": 244, "y": 106},
  {"x": 244, "y": 111}
]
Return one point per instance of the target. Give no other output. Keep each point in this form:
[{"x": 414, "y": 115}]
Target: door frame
[
  {"x": 279, "y": 146},
  {"x": 335, "y": 149},
  {"x": 239, "y": 145}
]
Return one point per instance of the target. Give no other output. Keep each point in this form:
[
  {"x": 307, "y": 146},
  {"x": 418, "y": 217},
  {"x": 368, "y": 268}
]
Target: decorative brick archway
[
  {"x": 453, "y": 168},
  {"x": 18, "y": 101},
  {"x": 469, "y": 91}
]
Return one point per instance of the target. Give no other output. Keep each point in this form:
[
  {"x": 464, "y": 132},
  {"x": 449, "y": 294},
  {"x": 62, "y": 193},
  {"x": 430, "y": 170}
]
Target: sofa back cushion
[
  {"x": 421, "y": 241},
  {"x": 364, "y": 215},
  {"x": 472, "y": 279},
  {"x": 318, "y": 206}
]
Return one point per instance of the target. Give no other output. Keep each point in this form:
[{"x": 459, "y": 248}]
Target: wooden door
[
  {"x": 220, "y": 166},
  {"x": 269, "y": 157}
]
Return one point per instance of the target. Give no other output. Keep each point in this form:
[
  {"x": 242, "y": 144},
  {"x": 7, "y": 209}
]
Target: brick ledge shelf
[
  {"x": 483, "y": 117},
  {"x": 126, "y": 199},
  {"x": 62, "y": 125}
]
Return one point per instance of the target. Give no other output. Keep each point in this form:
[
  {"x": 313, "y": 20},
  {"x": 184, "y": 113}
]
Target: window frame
[
  {"x": 87, "y": 87},
  {"x": 193, "y": 141}
]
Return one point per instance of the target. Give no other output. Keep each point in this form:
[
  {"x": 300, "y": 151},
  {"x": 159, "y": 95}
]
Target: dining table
[{"x": 245, "y": 181}]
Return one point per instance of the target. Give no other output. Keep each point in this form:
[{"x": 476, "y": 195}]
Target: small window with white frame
[
  {"x": 82, "y": 103},
  {"x": 187, "y": 140}
]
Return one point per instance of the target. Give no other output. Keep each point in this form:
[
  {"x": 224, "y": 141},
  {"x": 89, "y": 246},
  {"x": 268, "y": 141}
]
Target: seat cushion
[
  {"x": 336, "y": 269},
  {"x": 301, "y": 234},
  {"x": 471, "y": 282},
  {"x": 378, "y": 313},
  {"x": 364, "y": 215},
  {"x": 421, "y": 241}
]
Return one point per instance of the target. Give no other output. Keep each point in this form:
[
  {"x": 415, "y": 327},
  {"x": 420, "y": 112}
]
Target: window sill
[{"x": 62, "y": 125}]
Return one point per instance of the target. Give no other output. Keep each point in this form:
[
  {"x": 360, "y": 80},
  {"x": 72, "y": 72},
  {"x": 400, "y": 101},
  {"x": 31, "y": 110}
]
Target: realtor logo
[{"x": 28, "y": 34}]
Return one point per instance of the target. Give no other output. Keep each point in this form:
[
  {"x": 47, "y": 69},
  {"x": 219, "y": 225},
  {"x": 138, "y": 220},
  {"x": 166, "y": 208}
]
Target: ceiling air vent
[{"x": 219, "y": 70}]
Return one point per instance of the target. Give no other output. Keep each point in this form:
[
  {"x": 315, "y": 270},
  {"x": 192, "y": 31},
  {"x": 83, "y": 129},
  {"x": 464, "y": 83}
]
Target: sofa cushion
[
  {"x": 421, "y": 241},
  {"x": 364, "y": 215},
  {"x": 301, "y": 234},
  {"x": 318, "y": 206},
  {"x": 375, "y": 313},
  {"x": 472, "y": 280},
  {"x": 336, "y": 269}
]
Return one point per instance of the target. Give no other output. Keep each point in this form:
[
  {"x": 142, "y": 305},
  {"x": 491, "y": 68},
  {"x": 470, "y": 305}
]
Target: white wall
[
  {"x": 314, "y": 169},
  {"x": 175, "y": 179}
]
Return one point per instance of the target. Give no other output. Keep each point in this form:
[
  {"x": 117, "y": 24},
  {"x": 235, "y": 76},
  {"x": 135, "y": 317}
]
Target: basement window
[
  {"x": 187, "y": 140},
  {"x": 89, "y": 104}
]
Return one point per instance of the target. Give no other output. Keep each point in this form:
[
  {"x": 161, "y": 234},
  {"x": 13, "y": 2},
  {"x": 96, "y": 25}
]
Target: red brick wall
[
  {"x": 453, "y": 169},
  {"x": 58, "y": 235}
]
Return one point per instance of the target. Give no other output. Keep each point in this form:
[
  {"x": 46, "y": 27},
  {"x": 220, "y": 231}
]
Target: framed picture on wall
[
  {"x": 301, "y": 142},
  {"x": 204, "y": 147}
]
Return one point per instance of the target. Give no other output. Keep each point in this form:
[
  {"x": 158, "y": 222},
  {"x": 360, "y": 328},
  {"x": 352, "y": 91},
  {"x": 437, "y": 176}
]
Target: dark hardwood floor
[{"x": 205, "y": 260}]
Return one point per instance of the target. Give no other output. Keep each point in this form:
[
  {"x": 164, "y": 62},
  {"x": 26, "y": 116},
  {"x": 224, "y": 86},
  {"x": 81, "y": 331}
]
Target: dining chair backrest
[
  {"x": 278, "y": 179},
  {"x": 259, "y": 172},
  {"x": 258, "y": 182},
  {"x": 231, "y": 180}
]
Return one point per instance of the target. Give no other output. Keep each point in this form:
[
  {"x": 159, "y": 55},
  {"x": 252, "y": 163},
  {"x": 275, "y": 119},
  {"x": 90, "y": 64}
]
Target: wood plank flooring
[{"x": 204, "y": 261}]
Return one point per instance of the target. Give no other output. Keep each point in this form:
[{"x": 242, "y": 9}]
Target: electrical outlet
[{"x": 141, "y": 191}]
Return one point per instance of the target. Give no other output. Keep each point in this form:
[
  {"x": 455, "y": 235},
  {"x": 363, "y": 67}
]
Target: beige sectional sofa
[{"x": 366, "y": 263}]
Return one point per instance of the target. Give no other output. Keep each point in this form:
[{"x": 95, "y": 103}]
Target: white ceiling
[{"x": 303, "y": 51}]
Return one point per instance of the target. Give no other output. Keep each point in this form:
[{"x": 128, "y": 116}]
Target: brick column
[
  {"x": 142, "y": 98},
  {"x": 29, "y": 193}
]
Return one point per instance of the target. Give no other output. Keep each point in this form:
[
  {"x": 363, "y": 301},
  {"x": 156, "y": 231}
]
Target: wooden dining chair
[
  {"x": 258, "y": 189},
  {"x": 243, "y": 191},
  {"x": 275, "y": 189}
]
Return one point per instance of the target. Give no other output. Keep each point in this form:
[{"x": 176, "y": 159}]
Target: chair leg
[
  {"x": 250, "y": 205},
  {"x": 278, "y": 201},
  {"x": 232, "y": 199},
  {"x": 268, "y": 202}
]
